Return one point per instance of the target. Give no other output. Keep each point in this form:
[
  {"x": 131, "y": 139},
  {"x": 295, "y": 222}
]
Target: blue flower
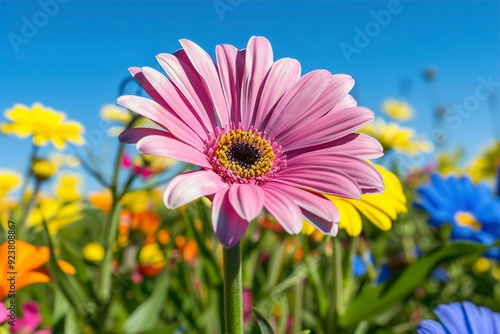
[
  {"x": 359, "y": 267},
  {"x": 462, "y": 318},
  {"x": 472, "y": 209}
]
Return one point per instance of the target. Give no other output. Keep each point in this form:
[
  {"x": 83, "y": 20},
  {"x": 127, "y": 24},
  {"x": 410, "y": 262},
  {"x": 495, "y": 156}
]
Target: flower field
[{"x": 245, "y": 193}]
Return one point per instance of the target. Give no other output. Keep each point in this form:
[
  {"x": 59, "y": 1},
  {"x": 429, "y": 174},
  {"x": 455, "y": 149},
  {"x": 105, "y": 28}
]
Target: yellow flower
[
  {"x": 44, "y": 124},
  {"x": 56, "y": 213},
  {"x": 379, "y": 209},
  {"x": 447, "y": 162},
  {"x": 481, "y": 265},
  {"x": 155, "y": 164},
  {"x": 400, "y": 139},
  {"x": 308, "y": 228},
  {"x": 398, "y": 110},
  {"x": 111, "y": 112},
  {"x": 43, "y": 169},
  {"x": 485, "y": 166},
  {"x": 67, "y": 187},
  {"x": 9, "y": 181},
  {"x": 136, "y": 201},
  {"x": 151, "y": 260},
  {"x": 93, "y": 251}
]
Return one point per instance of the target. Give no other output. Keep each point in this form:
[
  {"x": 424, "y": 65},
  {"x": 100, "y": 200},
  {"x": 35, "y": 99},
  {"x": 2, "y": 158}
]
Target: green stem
[
  {"x": 26, "y": 210},
  {"x": 233, "y": 307},
  {"x": 336, "y": 307},
  {"x": 349, "y": 281},
  {"x": 116, "y": 171},
  {"x": 103, "y": 288},
  {"x": 337, "y": 260},
  {"x": 297, "y": 307},
  {"x": 22, "y": 211}
]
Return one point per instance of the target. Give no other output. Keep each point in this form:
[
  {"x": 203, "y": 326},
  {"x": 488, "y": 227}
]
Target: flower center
[
  {"x": 246, "y": 153},
  {"x": 241, "y": 156},
  {"x": 467, "y": 219}
]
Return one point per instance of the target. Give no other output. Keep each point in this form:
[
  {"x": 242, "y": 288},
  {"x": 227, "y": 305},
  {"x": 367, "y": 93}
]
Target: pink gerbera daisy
[{"x": 263, "y": 135}]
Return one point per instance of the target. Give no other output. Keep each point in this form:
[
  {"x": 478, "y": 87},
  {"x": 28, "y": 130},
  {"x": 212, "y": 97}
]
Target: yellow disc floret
[{"x": 246, "y": 153}]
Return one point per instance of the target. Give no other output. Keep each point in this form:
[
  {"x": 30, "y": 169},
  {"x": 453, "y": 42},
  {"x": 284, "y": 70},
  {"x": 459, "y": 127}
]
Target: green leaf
[
  {"x": 264, "y": 325},
  {"x": 71, "y": 324},
  {"x": 378, "y": 299},
  {"x": 69, "y": 253},
  {"x": 146, "y": 316},
  {"x": 172, "y": 328},
  {"x": 305, "y": 331},
  {"x": 276, "y": 268},
  {"x": 318, "y": 288},
  {"x": 207, "y": 256},
  {"x": 68, "y": 285}
]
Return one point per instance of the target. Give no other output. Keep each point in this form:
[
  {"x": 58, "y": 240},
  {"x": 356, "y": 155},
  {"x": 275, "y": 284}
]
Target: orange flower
[
  {"x": 163, "y": 236},
  {"x": 101, "y": 200},
  {"x": 189, "y": 251},
  {"x": 146, "y": 223},
  {"x": 29, "y": 262},
  {"x": 187, "y": 248},
  {"x": 272, "y": 225}
]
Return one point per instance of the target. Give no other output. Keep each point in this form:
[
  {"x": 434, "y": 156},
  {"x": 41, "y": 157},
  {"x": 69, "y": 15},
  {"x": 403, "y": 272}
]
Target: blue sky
[{"x": 79, "y": 53}]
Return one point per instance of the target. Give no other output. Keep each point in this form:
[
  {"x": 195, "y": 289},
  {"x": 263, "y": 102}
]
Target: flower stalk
[{"x": 233, "y": 306}]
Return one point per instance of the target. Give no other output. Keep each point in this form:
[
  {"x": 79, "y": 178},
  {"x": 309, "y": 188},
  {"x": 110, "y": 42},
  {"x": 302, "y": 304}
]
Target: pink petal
[
  {"x": 363, "y": 173},
  {"x": 337, "y": 87},
  {"x": 354, "y": 144},
  {"x": 283, "y": 208},
  {"x": 189, "y": 84},
  {"x": 316, "y": 208},
  {"x": 328, "y": 128},
  {"x": 296, "y": 100},
  {"x": 174, "y": 102},
  {"x": 311, "y": 97},
  {"x": 347, "y": 102},
  {"x": 144, "y": 83},
  {"x": 247, "y": 200},
  {"x": 320, "y": 179},
  {"x": 152, "y": 110},
  {"x": 31, "y": 318},
  {"x": 205, "y": 67},
  {"x": 133, "y": 135},
  {"x": 281, "y": 77},
  {"x": 229, "y": 227},
  {"x": 312, "y": 202},
  {"x": 146, "y": 172},
  {"x": 324, "y": 225},
  {"x": 4, "y": 314},
  {"x": 259, "y": 59},
  {"x": 189, "y": 186},
  {"x": 168, "y": 146},
  {"x": 126, "y": 160},
  {"x": 231, "y": 64}
]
